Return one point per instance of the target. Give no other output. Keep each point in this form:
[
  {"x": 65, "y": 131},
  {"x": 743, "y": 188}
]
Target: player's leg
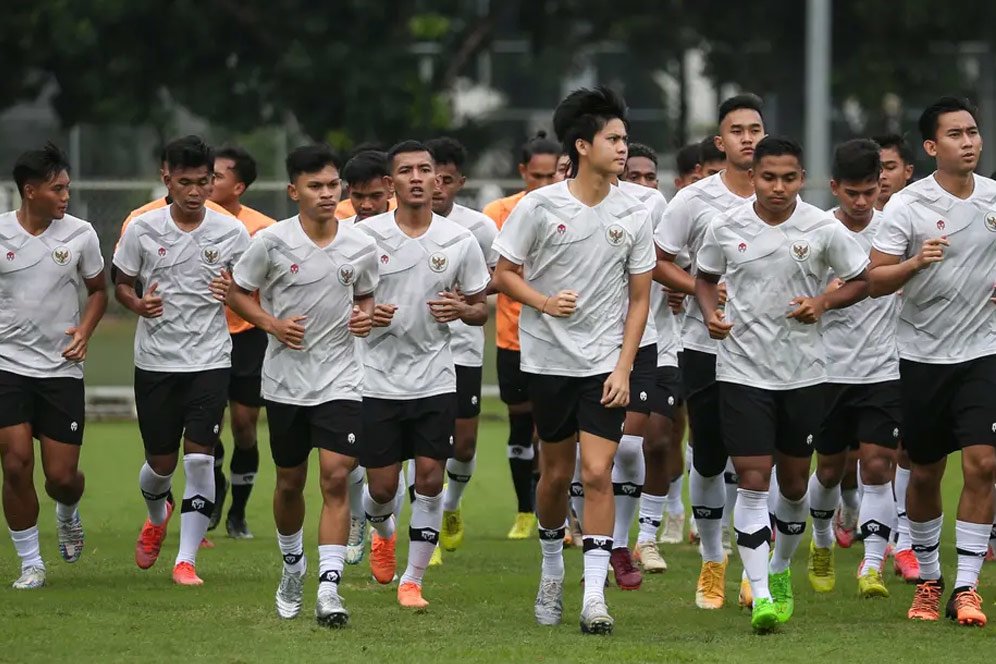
[
  {"x": 20, "y": 502},
  {"x": 707, "y": 491},
  {"x": 845, "y": 520},
  {"x": 220, "y": 486},
  {"x": 356, "y": 546},
  {"x": 627, "y": 475},
  {"x": 381, "y": 456},
  {"x": 906, "y": 565},
  {"x": 512, "y": 386},
  {"x": 460, "y": 467},
  {"x": 658, "y": 446},
  {"x": 674, "y": 507},
  {"x": 243, "y": 467}
]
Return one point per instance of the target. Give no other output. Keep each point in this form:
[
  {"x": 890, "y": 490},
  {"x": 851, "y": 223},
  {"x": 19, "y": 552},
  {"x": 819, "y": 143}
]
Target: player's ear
[
  {"x": 718, "y": 142},
  {"x": 930, "y": 147},
  {"x": 389, "y": 184},
  {"x": 239, "y": 189},
  {"x": 292, "y": 192}
]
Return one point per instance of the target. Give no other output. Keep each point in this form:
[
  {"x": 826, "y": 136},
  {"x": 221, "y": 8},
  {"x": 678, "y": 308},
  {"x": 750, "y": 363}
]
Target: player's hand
[
  {"x": 615, "y": 389},
  {"x": 721, "y": 291},
  {"x": 220, "y": 285},
  {"x": 808, "y": 310},
  {"x": 931, "y": 252},
  {"x": 76, "y": 350},
  {"x": 151, "y": 305},
  {"x": 719, "y": 328},
  {"x": 449, "y": 307},
  {"x": 360, "y": 323},
  {"x": 561, "y": 305},
  {"x": 383, "y": 314},
  {"x": 675, "y": 300},
  {"x": 290, "y": 332},
  {"x": 992, "y": 298},
  {"x": 833, "y": 285}
]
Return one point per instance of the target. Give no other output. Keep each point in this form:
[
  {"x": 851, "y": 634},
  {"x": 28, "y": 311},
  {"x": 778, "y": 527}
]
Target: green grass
[{"x": 104, "y": 609}]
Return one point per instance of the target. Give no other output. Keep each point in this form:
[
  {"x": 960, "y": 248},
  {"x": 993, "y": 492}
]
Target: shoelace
[
  {"x": 713, "y": 579},
  {"x": 548, "y": 592},
  {"x": 968, "y": 600},
  {"x": 821, "y": 562},
  {"x": 926, "y": 598},
  {"x": 151, "y": 537}
]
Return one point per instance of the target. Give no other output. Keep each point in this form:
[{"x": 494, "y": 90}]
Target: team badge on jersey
[
  {"x": 800, "y": 250},
  {"x": 940, "y": 224},
  {"x": 10, "y": 255},
  {"x": 294, "y": 268},
  {"x": 561, "y": 229},
  {"x": 437, "y": 262},
  {"x": 61, "y": 255},
  {"x": 742, "y": 247},
  {"x": 162, "y": 251},
  {"x": 384, "y": 259},
  {"x": 211, "y": 255},
  {"x": 991, "y": 221},
  {"x": 346, "y": 274},
  {"x": 614, "y": 234}
]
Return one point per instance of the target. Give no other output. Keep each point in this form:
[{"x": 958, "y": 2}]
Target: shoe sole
[
  {"x": 653, "y": 570},
  {"x": 874, "y": 593},
  {"x": 764, "y": 623},
  {"x": 336, "y": 620},
  {"x": 288, "y": 616},
  {"x": 707, "y": 607},
  {"x": 629, "y": 587},
  {"x": 597, "y": 627},
  {"x": 416, "y": 608}
]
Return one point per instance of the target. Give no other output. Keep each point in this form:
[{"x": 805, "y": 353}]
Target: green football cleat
[
  {"x": 781, "y": 594},
  {"x": 764, "y": 617}
]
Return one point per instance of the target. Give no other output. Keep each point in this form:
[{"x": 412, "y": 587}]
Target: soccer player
[
  {"x": 897, "y": 166},
  {"x": 48, "y": 257},
  {"x": 316, "y": 278},
  {"x": 538, "y": 167},
  {"x": 369, "y": 181},
  {"x": 775, "y": 254},
  {"x": 937, "y": 242},
  {"x": 688, "y": 166},
  {"x": 466, "y": 341},
  {"x": 409, "y": 398},
  {"x": 182, "y": 345},
  {"x": 712, "y": 159},
  {"x": 578, "y": 254},
  {"x": 641, "y": 166},
  {"x": 683, "y": 228},
  {"x": 861, "y": 393},
  {"x": 234, "y": 173}
]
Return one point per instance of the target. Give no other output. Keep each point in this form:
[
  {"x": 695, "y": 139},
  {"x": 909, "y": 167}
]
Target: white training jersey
[
  {"x": 668, "y": 325},
  {"x": 682, "y": 229},
  {"x": 41, "y": 278},
  {"x": 860, "y": 340},
  {"x": 467, "y": 341},
  {"x": 411, "y": 358},
  {"x": 563, "y": 244},
  {"x": 192, "y": 333},
  {"x": 296, "y": 277},
  {"x": 946, "y": 315},
  {"x": 650, "y": 198},
  {"x": 766, "y": 267}
]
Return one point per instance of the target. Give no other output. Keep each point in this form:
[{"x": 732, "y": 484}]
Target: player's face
[
  {"x": 683, "y": 181},
  {"x": 563, "y": 168},
  {"x": 641, "y": 171},
  {"x": 607, "y": 152},
  {"x": 777, "y": 182},
  {"x": 895, "y": 174},
  {"x": 317, "y": 194},
  {"x": 540, "y": 171},
  {"x": 957, "y": 143},
  {"x": 190, "y": 187},
  {"x": 370, "y": 198},
  {"x": 50, "y": 199},
  {"x": 740, "y": 131},
  {"x": 712, "y": 167},
  {"x": 856, "y": 199},
  {"x": 227, "y": 186},
  {"x": 414, "y": 177},
  {"x": 449, "y": 182}
]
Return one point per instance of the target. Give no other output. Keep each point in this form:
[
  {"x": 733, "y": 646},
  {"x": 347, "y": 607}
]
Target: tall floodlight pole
[{"x": 818, "y": 111}]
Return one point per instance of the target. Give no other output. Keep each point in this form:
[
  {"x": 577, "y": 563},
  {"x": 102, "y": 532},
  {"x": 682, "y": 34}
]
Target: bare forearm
[
  {"x": 707, "y": 294},
  {"x": 850, "y": 293},
  {"x": 93, "y": 311},
  {"x": 125, "y": 294},
  {"x": 475, "y": 314},
  {"x": 246, "y": 306},
  {"x": 514, "y": 286},
  {"x": 887, "y": 279},
  {"x": 365, "y": 303},
  {"x": 672, "y": 276}
]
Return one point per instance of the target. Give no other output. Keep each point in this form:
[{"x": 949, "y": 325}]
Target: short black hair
[
  {"x": 243, "y": 163},
  {"x": 688, "y": 158},
  {"x": 641, "y": 150},
  {"x": 366, "y": 166},
  {"x": 897, "y": 143},
  {"x": 403, "y": 147},
  {"x": 310, "y": 159},
  {"x": 709, "y": 151},
  {"x": 777, "y": 146},
  {"x": 584, "y": 113},
  {"x": 446, "y": 150},
  {"x": 931, "y": 115},
  {"x": 856, "y": 160},
  {"x": 189, "y": 152},
  {"x": 39, "y": 166},
  {"x": 748, "y": 100},
  {"x": 539, "y": 144}
]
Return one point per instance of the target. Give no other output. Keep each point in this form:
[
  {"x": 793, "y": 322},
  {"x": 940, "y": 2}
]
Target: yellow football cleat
[
  {"x": 524, "y": 526},
  {"x": 451, "y": 536}
]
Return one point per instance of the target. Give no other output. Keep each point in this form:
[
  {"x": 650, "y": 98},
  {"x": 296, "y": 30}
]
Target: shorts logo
[
  {"x": 451, "y": 441},
  {"x": 437, "y": 262},
  {"x": 994, "y": 427},
  {"x": 614, "y": 234},
  {"x": 211, "y": 255},
  {"x": 384, "y": 259},
  {"x": 670, "y": 401},
  {"x": 294, "y": 268},
  {"x": 742, "y": 247},
  {"x": 895, "y": 432},
  {"x": 561, "y": 229},
  {"x": 940, "y": 224},
  {"x": 643, "y": 396},
  {"x": 991, "y": 221},
  {"x": 61, "y": 255},
  {"x": 351, "y": 438},
  {"x": 162, "y": 251},
  {"x": 474, "y": 400},
  {"x": 10, "y": 255},
  {"x": 346, "y": 274},
  {"x": 73, "y": 426},
  {"x": 216, "y": 428},
  {"x": 809, "y": 440},
  {"x": 800, "y": 250}
]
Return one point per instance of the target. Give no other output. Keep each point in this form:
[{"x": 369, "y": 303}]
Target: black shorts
[
  {"x": 698, "y": 375},
  {"x": 399, "y": 429},
  {"x": 947, "y": 407},
  {"x": 759, "y": 422},
  {"x": 513, "y": 384},
  {"x": 563, "y": 406},
  {"x": 643, "y": 380},
  {"x": 54, "y": 407},
  {"x": 248, "y": 349},
  {"x": 468, "y": 381},
  {"x": 667, "y": 393},
  {"x": 336, "y": 426},
  {"x": 859, "y": 414},
  {"x": 174, "y": 405}
]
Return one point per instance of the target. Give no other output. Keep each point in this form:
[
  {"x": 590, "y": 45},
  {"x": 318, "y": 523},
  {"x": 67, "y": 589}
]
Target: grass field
[{"x": 105, "y": 609}]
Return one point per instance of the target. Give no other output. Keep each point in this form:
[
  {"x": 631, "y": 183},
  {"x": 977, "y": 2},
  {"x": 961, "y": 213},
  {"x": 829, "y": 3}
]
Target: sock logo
[
  {"x": 597, "y": 542},
  {"x": 293, "y": 558},
  {"x": 790, "y": 527},
  {"x": 516, "y": 450},
  {"x": 821, "y": 514},
  {"x": 924, "y": 548},
  {"x": 154, "y": 496},
  {"x": 377, "y": 519},
  {"x": 423, "y": 534},
  {"x": 876, "y": 528},
  {"x": 971, "y": 554},
  {"x": 463, "y": 479},
  {"x": 627, "y": 489},
  {"x": 197, "y": 503},
  {"x": 331, "y": 576},
  {"x": 552, "y": 534},
  {"x": 577, "y": 490},
  {"x": 648, "y": 521},
  {"x": 703, "y": 512}
]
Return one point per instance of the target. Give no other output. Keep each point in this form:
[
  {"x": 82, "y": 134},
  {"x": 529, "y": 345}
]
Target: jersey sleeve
[
  {"x": 128, "y": 254},
  {"x": 91, "y": 260},
  {"x": 486, "y": 232},
  {"x": 844, "y": 255},
  {"x": 674, "y": 226},
  {"x": 240, "y": 245},
  {"x": 642, "y": 256},
  {"x": 253, "y": 265},
  {"x": 473, "y": 274},
  {"x": 711, "y": 258},
  {"x": 367, "y": 273},
  {"x": 515, "y": 239},
  {"x": 894, "y": 234}
]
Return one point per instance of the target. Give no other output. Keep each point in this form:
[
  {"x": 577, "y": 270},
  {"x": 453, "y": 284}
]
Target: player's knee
[
  {"x": 464, "y": 448},
  {"x": 925, "y": 478},
  {"x": 596, "y": 477},
  {"x": 334, "y": 481},
  {"x": 876, "y": 470},
  {"x": 61, "y": 479},
  {"x": 244, "y": 432},
  {"x": 754, "y": 479},
  {"x": 290, "y": 482},
  {"x": 979, "y": 469},
  {"x": 17, "y": 468},
  {"x": 829, "y": 474},
  {"x": 793, "y": 488},
  {"x": 655, "y": 448}
]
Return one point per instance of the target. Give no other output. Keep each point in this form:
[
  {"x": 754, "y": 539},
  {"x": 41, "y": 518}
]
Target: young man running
[
  {"x": 897, "y": 166},
  {"x": 182, "y": 346},
  {"x": 369, "y": 180},
  {"x": 578, "y": 254},
  {"x": 316, "y": 278},
  {"x": 48, "y": 256}
]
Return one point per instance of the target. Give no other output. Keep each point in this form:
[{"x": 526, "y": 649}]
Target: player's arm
[
  {"x": 888, "y": 273},
  {"x": 361, "y": 320},
  {"x": 288, "y": 331},
  {"x": 615, "y": 389},
  {"x": 670, "y": 274},
  {"x": 851, "y": 291},
  {"x": 508, "y": 279},
  {"x": 93, "y": 311},
  {"x": 707, "y": 293},
  {"x": 150, "y": 305}
]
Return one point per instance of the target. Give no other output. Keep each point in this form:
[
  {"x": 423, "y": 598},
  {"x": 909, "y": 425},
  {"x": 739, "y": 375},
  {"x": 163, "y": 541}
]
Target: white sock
[
  {"x": 971, "y": 543},
  {"x": 925, "y": 538},
  {"x": 552, "y": 546},
  {"x": 730, "y": 480},
  {"x": 790, "y": 518},
  {"x": 380, "y": 515},
  {"x": 628, "y": 474},
  {"x": 403, "y": 486},
  {"x": 577, "y": 490},
  {"x": 900, "y": 485},
  {"x": 876, "y": 521},
  {"x": 750, "y": 519},
  {"x": 708, "y": 497},
  {"x": 355, "y": 488},
  {"x": 651, "y": 515},
  {"x": 597, "y": 550},
  {"x": 822, "y": 503},
  {"x": 65, "y": 512},
  {"x": 331, "y": 558},
  {"x": 773, "y": 492},
  {"x": 155, "y": 488},
  {"x": 675, "y": 505},
  {"x": 423, "y": 533},
  {"x": 849, "y": 499},
  {"x": 459, "y": 473},
  {"x": 27, "y": 547},
  {"x": 292, "y": 550},
  {"x": 198, "y": 503}
]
